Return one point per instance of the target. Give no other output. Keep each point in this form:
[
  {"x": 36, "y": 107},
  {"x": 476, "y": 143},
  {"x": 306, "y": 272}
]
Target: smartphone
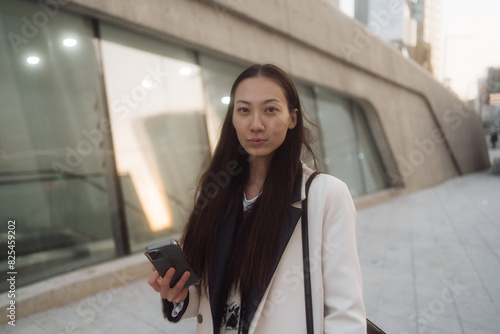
[{"x": 167, "y": 255}]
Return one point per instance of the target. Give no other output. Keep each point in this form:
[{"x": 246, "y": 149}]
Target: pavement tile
[
  {"x": 479, "y": 328},
  {"x": 392, "y": 324},
  {"x": 114, "y": 320},
  {"x": 477, "y": 309},
  {"x": 443, "y": 327},
  {"x": 25, "y": 325},
  {"x": 448, "y": 247},
  {"x": 398, "y": 305},
  {"x": 78, "y": 317}
]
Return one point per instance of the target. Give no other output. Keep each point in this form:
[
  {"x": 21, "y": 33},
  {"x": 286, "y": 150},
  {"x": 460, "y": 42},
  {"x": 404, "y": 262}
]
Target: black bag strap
[
  {"x": 371, "y": 327},
  {"x": 305, "y": 255}
]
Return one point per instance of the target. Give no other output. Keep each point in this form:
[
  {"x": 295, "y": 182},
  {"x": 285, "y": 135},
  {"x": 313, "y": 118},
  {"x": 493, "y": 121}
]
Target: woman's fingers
[
  {"x": 155, "y": 281},
  {"x": 177, "y": 293},
  {"x": 182, "y": 282},
  {"x": 181, "y": 290}
]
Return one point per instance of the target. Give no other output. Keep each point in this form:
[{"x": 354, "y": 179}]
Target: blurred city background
[{"x": 111, "y": 109}]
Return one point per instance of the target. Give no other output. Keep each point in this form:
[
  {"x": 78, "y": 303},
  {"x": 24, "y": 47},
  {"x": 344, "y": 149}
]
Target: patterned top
[{"x": 231, "y": 319}]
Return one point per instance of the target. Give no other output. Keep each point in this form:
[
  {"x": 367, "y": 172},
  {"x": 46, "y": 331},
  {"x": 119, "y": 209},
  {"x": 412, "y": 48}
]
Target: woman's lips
[{"x": 256, "y": 141}]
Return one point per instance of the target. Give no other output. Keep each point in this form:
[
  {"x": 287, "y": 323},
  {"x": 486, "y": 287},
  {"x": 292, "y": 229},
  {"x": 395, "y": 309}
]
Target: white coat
[{"x": 336, "y": 284}]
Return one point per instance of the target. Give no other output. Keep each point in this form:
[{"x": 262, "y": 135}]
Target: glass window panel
[
  {"x": 308, "y": 100},
  {"x": 371, "y": 166},
  {"x": 339, "y": 140},
  {"x": 218, "y": 77},
  {"x": 55, "y": 170},
  {"x": 156, "y": 101}
]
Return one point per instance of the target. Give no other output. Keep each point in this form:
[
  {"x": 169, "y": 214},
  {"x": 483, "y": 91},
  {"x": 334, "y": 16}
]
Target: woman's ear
[{"x": 293, "y": 119}]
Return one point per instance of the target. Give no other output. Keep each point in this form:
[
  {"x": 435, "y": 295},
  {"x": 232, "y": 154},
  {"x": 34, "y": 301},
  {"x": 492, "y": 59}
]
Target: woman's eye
[
  {"x": 271, "y": 109},
  {"x": 243, "y": 110}
]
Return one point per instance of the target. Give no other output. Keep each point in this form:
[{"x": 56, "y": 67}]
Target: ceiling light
[
  {"x": 33, "y": 60},
  {"x": 225, "y": 100},
  {"x": 69, "y": 42}
]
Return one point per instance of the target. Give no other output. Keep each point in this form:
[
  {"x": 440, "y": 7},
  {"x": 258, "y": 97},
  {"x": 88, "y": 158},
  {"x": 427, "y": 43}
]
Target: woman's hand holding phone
[
  {"x": 166, "y": 258},
  {"x": 177, "y": 293}
]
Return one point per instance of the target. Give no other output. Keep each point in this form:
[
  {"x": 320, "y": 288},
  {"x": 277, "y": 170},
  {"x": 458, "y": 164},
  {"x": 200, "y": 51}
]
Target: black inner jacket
[{"x": 219, "y": 287}]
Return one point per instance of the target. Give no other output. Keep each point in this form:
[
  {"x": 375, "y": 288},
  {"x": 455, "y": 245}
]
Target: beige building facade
[{"x": 318, "y": 44}]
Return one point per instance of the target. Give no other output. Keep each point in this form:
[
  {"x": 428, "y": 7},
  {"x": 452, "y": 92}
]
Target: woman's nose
[{"x": 256, "y": 124}]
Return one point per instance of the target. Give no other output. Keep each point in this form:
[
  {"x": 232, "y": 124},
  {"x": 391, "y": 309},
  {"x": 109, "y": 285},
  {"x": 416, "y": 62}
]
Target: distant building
[
  {"x": 489, "y": 96},
  {"x": 493, "y": 81},
  {"x": 413, "y": 27},
  {"x": 390, "y": 20},
  {"x": 432, "y": 34}
]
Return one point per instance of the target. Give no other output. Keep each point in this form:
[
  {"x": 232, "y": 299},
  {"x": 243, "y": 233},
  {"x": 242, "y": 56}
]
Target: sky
[{"x": 471, "y": 42}]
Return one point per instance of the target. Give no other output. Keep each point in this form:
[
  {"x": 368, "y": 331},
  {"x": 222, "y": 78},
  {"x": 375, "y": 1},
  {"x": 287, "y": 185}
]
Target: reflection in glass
[
  {"x": 55, "y": 172},
  {"x": 33, "y": 60},
  {"x": 348, "y": 148},
  {"x": 370, "y": 161},
  {"x": 218, "y": 77},
  {"x": 309, "y": 111},
  {"x": 339, "y": 140},
  {"x": 156, "y": 104},
  {"x": 69, "y": 42}
]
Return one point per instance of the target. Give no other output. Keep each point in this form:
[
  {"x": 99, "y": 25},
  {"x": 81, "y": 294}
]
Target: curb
[{"x": 76, "y": 285}]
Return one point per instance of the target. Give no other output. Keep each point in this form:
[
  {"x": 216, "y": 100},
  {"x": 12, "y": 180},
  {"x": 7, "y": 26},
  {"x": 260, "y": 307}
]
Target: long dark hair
[{"x": 255, "y": 243}]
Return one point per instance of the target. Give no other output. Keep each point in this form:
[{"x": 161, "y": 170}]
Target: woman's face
[{"x": 261, "y": 116}]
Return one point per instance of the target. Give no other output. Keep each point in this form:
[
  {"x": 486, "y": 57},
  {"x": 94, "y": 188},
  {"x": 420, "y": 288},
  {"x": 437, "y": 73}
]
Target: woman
[{"x": 243, "y": 237}]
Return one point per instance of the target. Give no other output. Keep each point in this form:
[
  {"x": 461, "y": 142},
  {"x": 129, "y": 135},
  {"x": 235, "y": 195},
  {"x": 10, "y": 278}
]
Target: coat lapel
[{"x": 255, "y": 296}]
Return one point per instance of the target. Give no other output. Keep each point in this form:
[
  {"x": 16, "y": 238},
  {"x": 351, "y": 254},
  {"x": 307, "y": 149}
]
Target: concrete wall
[{"x": 317, "y": 43}]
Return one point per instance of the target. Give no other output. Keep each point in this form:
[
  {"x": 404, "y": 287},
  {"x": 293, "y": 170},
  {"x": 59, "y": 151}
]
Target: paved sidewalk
[{"x": 430, "y": 262}]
